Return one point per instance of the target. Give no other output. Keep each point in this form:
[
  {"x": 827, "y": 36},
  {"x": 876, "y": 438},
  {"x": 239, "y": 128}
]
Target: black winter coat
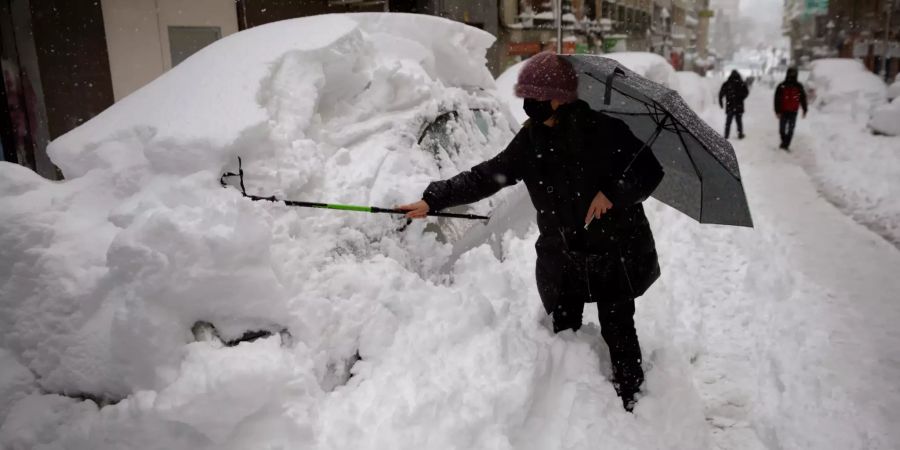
[
  {"x": 734, "y": 91},
  {"x": 563, "y": 168}
]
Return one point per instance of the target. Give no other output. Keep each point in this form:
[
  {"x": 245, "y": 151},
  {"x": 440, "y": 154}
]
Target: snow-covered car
[
  {"x": 649, "y": 65},
  {"x": 114, "y": 266},
  {"x": 506, "y": 83},
  {"x": 845, "y": 86}
]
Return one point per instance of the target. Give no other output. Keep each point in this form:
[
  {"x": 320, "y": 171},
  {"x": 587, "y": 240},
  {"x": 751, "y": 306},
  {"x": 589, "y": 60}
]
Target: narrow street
[{"x": 799, "y": 327}]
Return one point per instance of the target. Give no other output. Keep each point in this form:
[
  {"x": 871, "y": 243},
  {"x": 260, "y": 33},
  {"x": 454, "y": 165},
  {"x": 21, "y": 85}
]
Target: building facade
[
  {"x": 868, "y": 30},
  {"x": 671, "y": 28}
]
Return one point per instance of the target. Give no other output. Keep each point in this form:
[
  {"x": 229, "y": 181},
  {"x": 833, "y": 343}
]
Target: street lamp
[{"x": 557, "y": 5}]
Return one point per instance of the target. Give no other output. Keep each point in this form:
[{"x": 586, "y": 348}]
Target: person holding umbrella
[
  {"x": 789, "y": 98},
  {"x": 734, "y": 91},
  {"x": 586, "y": 174}
]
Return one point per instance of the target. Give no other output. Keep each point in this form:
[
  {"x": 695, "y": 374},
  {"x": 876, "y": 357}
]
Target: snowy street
[
  {"x": 371, "y": 333},
  {"x": 800, "y": 336}
]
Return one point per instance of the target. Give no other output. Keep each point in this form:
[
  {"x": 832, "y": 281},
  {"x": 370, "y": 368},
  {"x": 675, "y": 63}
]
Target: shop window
[{"x": 185, "y": 41}]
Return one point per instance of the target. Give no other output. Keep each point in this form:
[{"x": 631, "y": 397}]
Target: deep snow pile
[
  {"x": 113, "y": 266},
  {"x": 856, "y": 170},
  {"x": 845, "y": 86}
]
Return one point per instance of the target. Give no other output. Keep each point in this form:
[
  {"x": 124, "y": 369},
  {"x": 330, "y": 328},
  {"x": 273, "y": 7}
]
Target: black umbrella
[{"x": 702, "y": 176}]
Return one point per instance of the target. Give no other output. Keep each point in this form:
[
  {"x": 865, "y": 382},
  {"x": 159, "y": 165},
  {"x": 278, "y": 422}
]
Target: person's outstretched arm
[{"x": 470, "y": 186}]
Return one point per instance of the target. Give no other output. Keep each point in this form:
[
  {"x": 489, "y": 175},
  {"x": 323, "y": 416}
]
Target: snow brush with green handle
[{"x": 368, "y": 209}]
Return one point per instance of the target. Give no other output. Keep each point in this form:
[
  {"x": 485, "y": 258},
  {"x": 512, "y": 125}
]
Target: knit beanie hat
[{"x": 546, "y": 76}]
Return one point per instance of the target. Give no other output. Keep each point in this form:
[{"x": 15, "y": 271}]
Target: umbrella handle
[{"x": 607, "y": 95}]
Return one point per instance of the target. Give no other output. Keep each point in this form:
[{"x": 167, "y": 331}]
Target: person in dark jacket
[
  {"x": 789, "y": 98},
  {"x": 586, "y": 174},
  {"x": 734, "y": 91}
]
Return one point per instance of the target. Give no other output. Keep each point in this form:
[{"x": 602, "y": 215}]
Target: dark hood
[{"x": 791, "y": 75}]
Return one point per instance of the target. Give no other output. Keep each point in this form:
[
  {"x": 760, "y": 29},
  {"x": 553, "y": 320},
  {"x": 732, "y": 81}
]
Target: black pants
[
  {"x": 786, "y": 127},
  {"x": 740, "y": 123},
  {"x": 617, "y": 329}
]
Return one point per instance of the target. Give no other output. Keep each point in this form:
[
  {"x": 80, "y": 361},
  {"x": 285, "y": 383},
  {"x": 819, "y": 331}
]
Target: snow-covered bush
[{"x": 845, "y": 86}]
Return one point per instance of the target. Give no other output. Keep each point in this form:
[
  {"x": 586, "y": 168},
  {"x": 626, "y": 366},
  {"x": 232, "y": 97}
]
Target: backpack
[{"x": 790, "y": 99}]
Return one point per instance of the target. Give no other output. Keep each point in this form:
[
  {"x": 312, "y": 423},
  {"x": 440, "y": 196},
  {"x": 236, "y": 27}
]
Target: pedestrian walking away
[
  {"x": 790, "y": 97},
  {"x": 734, "y": 91},
  {"x": 586, "y": 174}
]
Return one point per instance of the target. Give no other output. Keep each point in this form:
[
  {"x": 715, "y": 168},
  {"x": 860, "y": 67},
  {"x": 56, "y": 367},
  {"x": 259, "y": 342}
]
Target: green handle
[{"x": 350, "y": 207}]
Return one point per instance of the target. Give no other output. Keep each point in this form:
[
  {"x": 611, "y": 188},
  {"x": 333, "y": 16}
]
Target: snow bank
[
  {"x": 649, "y": 65},
  {"x": 893, "y": 90},
  {"x": 886, "y": 118},
  {"x": 696, "y": 91},
  {"x": 845, "y": 86},
  {"x": 856, "y": 170}
]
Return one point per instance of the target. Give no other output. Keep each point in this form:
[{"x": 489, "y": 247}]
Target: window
[{"x": 185, "y": 41}]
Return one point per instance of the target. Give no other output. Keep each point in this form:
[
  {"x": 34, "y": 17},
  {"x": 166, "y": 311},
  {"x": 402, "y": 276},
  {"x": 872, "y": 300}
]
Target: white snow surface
[
  {"x": 782, "y": 336},
  {"x": 886, "y": 118},
  {"x": 845, "y": 86},
  {"x": 698, "y": 92},
  {"x": 893, "y": 91},
  {"x": 854, "y": 169}
]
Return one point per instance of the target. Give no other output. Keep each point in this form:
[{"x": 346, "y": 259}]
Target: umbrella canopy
[{"x": 702, "y": 177}]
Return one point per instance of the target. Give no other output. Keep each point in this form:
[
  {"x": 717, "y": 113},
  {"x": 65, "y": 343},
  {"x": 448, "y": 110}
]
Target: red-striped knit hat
[{"x": 546, "y": 76}]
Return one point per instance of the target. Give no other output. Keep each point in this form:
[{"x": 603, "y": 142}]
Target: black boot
[{"x": 628, "y": 380}]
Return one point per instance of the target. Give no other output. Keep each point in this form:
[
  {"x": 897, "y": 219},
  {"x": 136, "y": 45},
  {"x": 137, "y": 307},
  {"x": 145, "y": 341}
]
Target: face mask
[{"x": 537, "y": 110}]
